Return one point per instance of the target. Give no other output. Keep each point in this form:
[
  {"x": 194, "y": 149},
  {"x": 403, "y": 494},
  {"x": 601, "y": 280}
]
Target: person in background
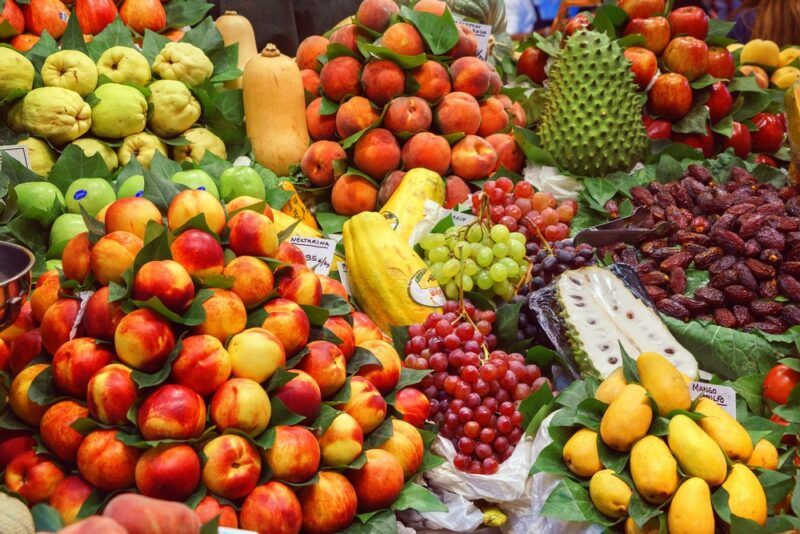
[
  {"x": 776, "y": 20},
  {"x": 521, "y": 17},
  {"x": 721, "y": 9}
]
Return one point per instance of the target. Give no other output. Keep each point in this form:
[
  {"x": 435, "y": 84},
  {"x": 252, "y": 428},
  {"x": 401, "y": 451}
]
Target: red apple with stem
[
  {"x": 655, "y": 31},
  {"x": 687, "y": 56},
  {"x": 670, "y": 96},
  {"x": 690, "y": 20},
  {"x": 720, "y": 102}
]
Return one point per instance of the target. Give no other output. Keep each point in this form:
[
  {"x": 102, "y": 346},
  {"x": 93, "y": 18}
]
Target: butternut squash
[
  {"x": 275, "y": 110},
  {"x": 237, "y": 29}
]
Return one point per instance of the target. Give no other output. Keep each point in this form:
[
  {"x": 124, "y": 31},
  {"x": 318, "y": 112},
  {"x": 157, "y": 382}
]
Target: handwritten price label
[
  {"x": 723, "y": 395},
  {"x": 318, "y": 252}
]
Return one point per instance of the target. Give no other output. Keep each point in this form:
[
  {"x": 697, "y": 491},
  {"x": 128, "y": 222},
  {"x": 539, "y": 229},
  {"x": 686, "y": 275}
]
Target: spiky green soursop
[
  {"x": 592, "y": 122},
  {"x": 600, "y": 313}
]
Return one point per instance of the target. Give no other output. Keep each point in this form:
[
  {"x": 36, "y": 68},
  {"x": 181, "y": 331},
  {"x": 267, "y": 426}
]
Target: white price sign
[
  {"x": 344, "y": 277},
  {"x": 19, "y": 153},
  {"x": 318, "y": 251},
  {"x": 482, "y": 33},
  {"x": 723, "y": 395}
]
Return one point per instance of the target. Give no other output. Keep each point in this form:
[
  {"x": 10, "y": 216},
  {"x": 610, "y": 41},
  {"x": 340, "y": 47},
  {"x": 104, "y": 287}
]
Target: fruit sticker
[
  {"x": 423, "y": 289},
  {"x": 393, "y": 219}
]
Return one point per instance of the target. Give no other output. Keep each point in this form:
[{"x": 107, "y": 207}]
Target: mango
[
  {"x": 760, "y": 52},
  {"x": 611, "y": 386},
  {"x": 580, "y": 453},
  {"x": 729, "y": 434},
  {"x": 651, "y": 527},
  {"x": 697, "y": 454},
  {"x": 654, "y": 470},
  {"x": 785, "y": 77},
  {"x": 690, "y": 511},
  {"x": 609, "y": 493},
  {"x": 788, "y": 55},
  {"x": 746, "y": 497},
  {"x": 663, "y": 382},
  {"x": 627, "y": 418},
  {"x": 764, "y": 455}
]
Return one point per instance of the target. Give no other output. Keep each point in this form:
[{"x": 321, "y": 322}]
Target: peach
[
  {"x": 456, "y": 191},
  {"x": 294, "y": 455},
  {"x": 404, "y": 39},
  {"x": 309, "y": 51},
  {"x": 427, "y": 150},
  {"x": 107, "y": 463},
  {"x": 33, "y": 477},
  {"x": 23, "y": 323},
  {"x": 341, "y": 77},
  {"x": 326, "y": 365},
  {"x": 386, "y": 375},
  {"x": 225, "y": 315},
  {"x": 412, "y": 405},
  {"x": 473, "y": 158},
  {"x": 342, "y": 442},
  {"x": 299, "y": 284},
  {"x": 347, "y": 36},
  {"x": 761, "y": 76},
  {"x": 320, "y": 126},
  {"x": 272, "y": 507},
  {"x": 458, "y": 112},
  {"x": 364, "y": 328},
  {"x": 383, "y": 79},
  {"x": 495, "y": 82},
  {"x": 252, "y": 279},
  {"x": 68, "y": 497},
  {"x": 244, "y": 201},
  {"x": 13, "y": 443},
  {"x": 172, "y": 411},
  {"x": 433, "y": 81},
  {"x": 75, "y": 362},
  {"x": 311, "y": 83},
  {"x": 199, "y": 253},
  {"x": 320, "y": 161},
  {"x": 408, "y": 115},
  {"x": 23, "y": 407},
  {"x": 232, "y": 466},
  {"x": 434, "y": 7},
  {"x": 95, "y": 523},
  {"x": 252, "y": 234},
  {"x": 329, "y": 505},
  {"x": 242, "y": 404},
  {"x": 406, "y": 446},
  {"x": 131, "y": 214},
  {"x": 331, "y": 286},
  {"x": 470, "y": 75},
  {"x": 256, "y": 353},
  {"x": 145, "y": 515},
  {"x": 377, "y": 153},
  {"x": 24, "y": 349},
  {"x": 379, "y": 481},
  {"x": 76, "y": 258},
  {"x": 290, "y": 254},
  {"x": 365, "y": 404},
  {"x": 113, "y": 254},
  {"x": 47, "y": 292},
  {"x": 301, "y": 395},
  {"x": 167, "y": 281},
  {"x": 376, "y": 14},
  {"x": 355, "y": 115},
  {"x": 202, "y": 364},
  {"x": 169, "y": 471},
  {"x": 494, "y": 118},
  {"x": 57, "y": 434},
  {"x": 190, "y": 203},
  {"x": 509, "y": 154},
  {"x": 390, "y": 184},
  {"x": 5, "y": 354},
  {"x": 101, "y": 215},
  {"x": 57, "y": 324},
  {"x": 517, "y": 114},
  {"x": 353, "y": 194},
  {"x": 144, "y": 340},
  {"x": 342, "y": 329},
  {"x": 101, "y": 317},
  {"x": 209, "y": 507},
  {"x": 467, "y": 44},
  {"x": 110, "y": 394},
  {"x": 287, "y": 320}
]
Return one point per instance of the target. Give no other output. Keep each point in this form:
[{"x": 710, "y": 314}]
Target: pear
[
  {"x": 91, "y": 146},
  {"x": 56, "y": 114},
  {"x": 120, "y": 112},
  {"x": 41, "y": 155},
  {"x": 174, "y": 108},
  {"x": 143, "y": 15},
  {"x": 16, "y": 72},
  {"x": 183, "y": 62},
  {"x": 122, "y": 64},
  {"x": 200, "y": 141},
  {"x": 70, "y": 69},
  {"x": 142, "y": 146}
]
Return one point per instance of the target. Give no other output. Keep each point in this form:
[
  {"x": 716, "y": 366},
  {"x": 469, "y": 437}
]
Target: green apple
[
  {"x": 93, "y": 194},
  {"x": 133, "y": 186},
  {"x": 64, "y": 228},
  {"x": 39, "y": 201},
  {"x": 241, "y": 181},
  {"x": 196, "y": 179}
]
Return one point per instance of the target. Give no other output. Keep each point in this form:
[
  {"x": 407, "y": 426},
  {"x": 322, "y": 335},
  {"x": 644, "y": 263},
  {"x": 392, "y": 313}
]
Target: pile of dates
[{"x": 744, "y": 233}]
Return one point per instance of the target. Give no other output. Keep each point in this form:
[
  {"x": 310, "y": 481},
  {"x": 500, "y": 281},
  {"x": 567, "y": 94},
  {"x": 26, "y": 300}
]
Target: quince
[
  {"x": 183, "y": 62},
  {"x": 122, "y": 64},
  {"x": 41, "y": 155},
  {"x": 16, "y": 72},
  {"x": 56, "y": 114},
  {"x": 143, "y": 147},
  {"x": 91, "y": 146},
  {"x": 174, "y": 108},
  {"x": 70, "y": 69},
  {"x": 200, "y": 141},
  {"x": 122, "y": 111}
]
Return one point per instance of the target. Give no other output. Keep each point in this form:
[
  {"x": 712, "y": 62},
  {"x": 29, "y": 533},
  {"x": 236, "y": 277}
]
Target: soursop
[
  {"x": 592, "y": 121},
  {"x": 600, "y": 313}
]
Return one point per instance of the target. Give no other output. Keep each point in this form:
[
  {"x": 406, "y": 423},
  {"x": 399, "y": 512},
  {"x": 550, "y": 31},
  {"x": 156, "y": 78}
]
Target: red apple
[
  {"x": 578, "y": 22},
  {"x": 14, "y": 443},
  {"x": 642, "y": 8},
  {"x": 13, "y": 14},
  {"x": 705, "y": 143},
  {"x": 720, "y": 102},
  {"x": 659, "y": 129},
  {"x": 670, "y": 96},
  {"x": 740, "y": 140},
  {"x": 531, "y": 63},
  {"x": 94, "y": 15},
  {"x": 770, "y": 134},
  {"x": 690, "y": 20},
  {"x": 50, "y": 15},
  {"x": 655, "y": 31},
  {"x": 687, "y": 56},
  {"x": 720, "y": 62},
  {"x": 644, "y": 65}
]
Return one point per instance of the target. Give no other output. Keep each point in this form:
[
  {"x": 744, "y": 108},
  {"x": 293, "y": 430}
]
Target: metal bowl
[{"x": 16, "y": 263}]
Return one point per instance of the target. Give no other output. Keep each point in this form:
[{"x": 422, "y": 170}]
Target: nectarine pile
[{"x": 377, "y": 105}]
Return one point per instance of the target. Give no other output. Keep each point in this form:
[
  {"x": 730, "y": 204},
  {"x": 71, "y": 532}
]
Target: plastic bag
[{"x": 549, "y": 180}]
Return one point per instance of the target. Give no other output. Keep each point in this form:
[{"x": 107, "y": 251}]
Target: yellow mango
[
  {"x": 654, "y": 470},
  {"x": 690, "y": 511},
  {"x": 697, "y": 454},
  {"x": 760, "y": 52},
  {"x": 663, "y": 382},
  {"x": 651, "y": 527},
  {"x": 609, "y": 493},
  {"x": 627, "y": 418},
  {"x": 788, "y": 55},
  {"x": 733, "y": 47},
  {"x": 580, "y": 453},
  {"x": 785, "y": 77},
  {"x": 729, "y": 434},
  {"x": 764, "y": 455},
  {"x": 746, "y": 497},
  {"x": 611, "y": 386}
]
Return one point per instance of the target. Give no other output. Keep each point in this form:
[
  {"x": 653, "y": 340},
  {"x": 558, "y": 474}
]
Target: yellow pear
[
  {"x": 627, "y": 418},
  {"x": 697, "y": 454},
  {"x": 663, "y": 382},
  {"x": 654, "y": 470},
  {"x": 729, "y": 434},
  {"x": 690, "y": 511},
  {"x": 580, "y": 453}
]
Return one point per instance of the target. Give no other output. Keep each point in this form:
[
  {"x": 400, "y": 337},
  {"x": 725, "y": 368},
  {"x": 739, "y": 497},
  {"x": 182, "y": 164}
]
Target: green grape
[
  {"x": 439, "y": 254},
  {"x": 504, "y": 290},
  {"x": 451, "y": 290},
  {"x": 462, "y": 250},
  {"x": 498, "y": 272},
  {"x": 484, "y": 280},
  {"x": 470, "y": 267},
  {"x": 450, "y": 241},
  {"x": 475, "y": 248},
  {"x": 516, "y": 250},
  {"x": 451, "y": 267},
  {"x": 466, "y": 283},
  {"x": 487, "y": 241},
  {"x": 443, "y": 279},
  {"x": 435, "y": 269},
  {"x": 523, "y": 266},
  {"x": 484, "y": 257},
  {"x": 499, "y": 233},
  {"x": 518, "y": 237},
  {"x": 430, "y": 241},
  {"x": 475, "y": 233},
  {"x": 500, "y": 250},
  {"x": 511, "y": 266}
]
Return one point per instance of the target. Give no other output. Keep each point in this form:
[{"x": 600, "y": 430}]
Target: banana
[{"x": 406, "y": 207}]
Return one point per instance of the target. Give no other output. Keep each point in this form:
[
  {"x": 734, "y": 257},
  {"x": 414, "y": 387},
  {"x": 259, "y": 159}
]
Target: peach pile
[
  {"x": 245, "y": 397},
  {"x": 372, "y": 115}
]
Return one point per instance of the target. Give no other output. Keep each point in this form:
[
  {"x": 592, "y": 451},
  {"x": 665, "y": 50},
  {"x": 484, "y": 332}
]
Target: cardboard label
[
  {"x": 19, "y": 153},
  {"x": 318, "y": 251},
  {"x": 344, "y": 278},
  {"x": 723, "y": 395},
  {"x": 482, "y": 33}
]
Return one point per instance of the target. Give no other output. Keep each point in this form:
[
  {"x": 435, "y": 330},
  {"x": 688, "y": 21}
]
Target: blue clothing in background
[
  {"x": 520, "y": 16},
  {"x": 745, "y": 19}
]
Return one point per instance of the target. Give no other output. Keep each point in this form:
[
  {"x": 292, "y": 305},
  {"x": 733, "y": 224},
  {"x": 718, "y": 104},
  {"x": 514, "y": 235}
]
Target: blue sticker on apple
[{"x": 80, "y": 194}]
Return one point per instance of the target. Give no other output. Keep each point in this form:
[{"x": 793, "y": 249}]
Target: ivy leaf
[
  {"x": 641, "y": 511},
  {"x": 16, "y": 172},
  {"x": 506, "y": 326},
  {"x": 73, "y": 36},
  {"x": 182, "y": 13},
  {"x": 629, "y": 369},
  {"x": 331, "y": 223},
  {"x": 326, "y": 416},
  {"x": 95, "y": 228},
  {"x": 316, "y": 315},
  {"x": 153, "y": 42},
  {"x": 360, "y": 358},
  {"x": 157, "y": 189}
]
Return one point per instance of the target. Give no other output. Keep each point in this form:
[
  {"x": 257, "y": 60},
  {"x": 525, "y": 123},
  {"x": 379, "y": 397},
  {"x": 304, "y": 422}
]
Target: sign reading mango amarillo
[{"x": 723, "y": 395}]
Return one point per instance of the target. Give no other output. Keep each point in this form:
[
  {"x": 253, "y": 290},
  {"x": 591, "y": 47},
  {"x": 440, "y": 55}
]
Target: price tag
[
  {"x": 227, "y": 530},
  {"x": 19, "y": 153},
  {"x": 482, "y": 33},
  {"x": 318, "y": 251},
  {"x": 723, "y": 395},
  {"x": 344, "y": 277},
  {"x": 462, "y": 219}
]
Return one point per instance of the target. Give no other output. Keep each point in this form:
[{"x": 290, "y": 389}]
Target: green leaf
[
  {"x": 281, "y": 415},
  {"x": 589, "y": 413},
  {"x": 633, "y": 39},
  {"x": 212, "y": 527},
  {"x": 326, "y": 416},
  {"x": 415, "y": 497},
  {"x": 551, "y": 460},
  {"x": 73, "y": 163},
  {"x": 706, "y": 80},
  {"x": 570, "y": 501},
  {"x": 182, "y": 13},
  {"x": 45, "y": 517},
  {"x": 776, "y": 485},
  {"x": 614, "y": 460},
  {"x": 405, "y": 62},
  {"x": 528, "y": 141},
  {"x": 641, "y": 511},
  {"x": 328, "y": 106},
  {"x": 316, "y": 315},
  {"x": 153, "y": 42},
  {"x": 44, "y": 48},
  {"x": 115, "y": 34},
  {"x": 440, "y": 33},
  {"x": 360, "y": 358},
  {"x": 537, "y": 403},
  {"x": 335, "y": 305},
  {"x": 223, "y": 113},
  {"x": 506, "y": 325},
  {"x": 383, "y": 521},
  {"x": 695, "y": 279},
  {"x": 574, "y": 394},
  {"x": 744, "y": 84},
  {"x": 753, "y": 104},
  {"x": 156, "y": 245},
  {"x": 16, "y": 172},
  {"x": 380, "y": 435},
  {"x": 399, "y": 338},
  {"x": 718, "y": 30},
  {"x": 331, "y": 223},
  {"x": 629, "y": 368},
  {"x": 42, "y": 390},
  {"x": 607, "y": 18},
  {"x": 73, "y": 36},
  {"x": 410, "y": 377},
  {"x": 695, "y": 121},
  {"x": 157, "y": 189},
  {"x": 277, "y": 197},
  {"x": 145, "y": 380},
  {"x": 719, "y": 500}
]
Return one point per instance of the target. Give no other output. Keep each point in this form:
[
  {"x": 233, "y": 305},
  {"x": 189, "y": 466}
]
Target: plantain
[{"x": 406, "y": 207}]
